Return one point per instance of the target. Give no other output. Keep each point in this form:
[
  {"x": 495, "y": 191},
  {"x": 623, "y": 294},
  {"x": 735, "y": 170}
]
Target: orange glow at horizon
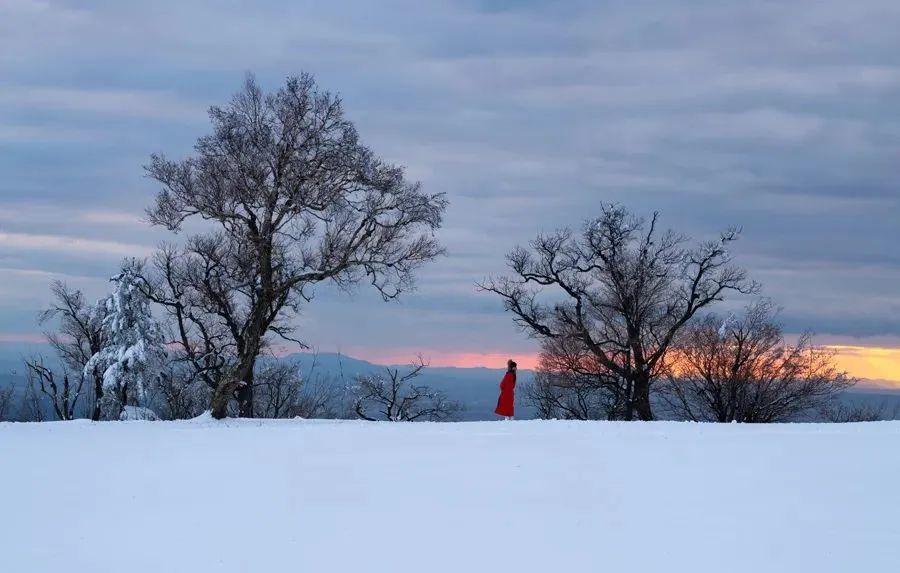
[
  {"x": 459, "y": 359},
  {"x": 870, "y": 362},
  {"x": 866, "y": 362}
]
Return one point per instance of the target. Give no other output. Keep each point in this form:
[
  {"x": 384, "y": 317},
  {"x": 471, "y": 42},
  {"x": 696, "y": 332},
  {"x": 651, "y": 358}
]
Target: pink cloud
[{"x": 26, "y": 337}]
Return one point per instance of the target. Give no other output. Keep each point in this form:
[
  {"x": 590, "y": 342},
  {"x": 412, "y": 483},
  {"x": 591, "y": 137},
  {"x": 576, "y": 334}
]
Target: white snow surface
[
  {"x": 137, "y": 413},
  {"x": 296, "y": 495}
]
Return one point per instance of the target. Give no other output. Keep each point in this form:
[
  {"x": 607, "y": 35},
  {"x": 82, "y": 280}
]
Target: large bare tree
[
  {"x": 741, "y": 369},
  {"x": 290, "y": 198},
  {"x": 621, "y": 289}
]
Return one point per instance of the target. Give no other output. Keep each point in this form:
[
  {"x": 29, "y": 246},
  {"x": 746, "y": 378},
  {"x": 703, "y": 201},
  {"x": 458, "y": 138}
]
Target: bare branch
[
  {"x": 295, "y": 200},
  {"x": 620, "y": 293},
  {"x": 392, "y": 397}
]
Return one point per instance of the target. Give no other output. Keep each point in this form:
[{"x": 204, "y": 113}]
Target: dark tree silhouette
[
  {"x": 284, "y": 393},
  {"x": 62, "y": 390},
  {"x": 79, "y": 335},
  {"x": 292, "y": 199},
  {"x": 741, "y": 369},
  {"x": 844, "y": 413},
  {"x": 393, "y": 398},
  {"x": 571, "y": 383},
  {"x": 6, "y": 401},
  {"x": 624, "y": 291}
]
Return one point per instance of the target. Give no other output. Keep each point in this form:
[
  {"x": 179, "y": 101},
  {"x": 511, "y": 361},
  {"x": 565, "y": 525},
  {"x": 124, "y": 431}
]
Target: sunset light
[
  {"x": 870, "y": 363},
  {"x": 449, "y": 285},
  {"x": 877, "y": 365}
]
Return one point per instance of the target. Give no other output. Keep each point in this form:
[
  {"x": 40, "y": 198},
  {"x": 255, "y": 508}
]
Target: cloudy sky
[{"x": 780, "y": 117}]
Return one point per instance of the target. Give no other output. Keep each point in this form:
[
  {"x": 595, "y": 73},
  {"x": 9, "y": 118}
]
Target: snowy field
[{"x": 255, "y": 496}]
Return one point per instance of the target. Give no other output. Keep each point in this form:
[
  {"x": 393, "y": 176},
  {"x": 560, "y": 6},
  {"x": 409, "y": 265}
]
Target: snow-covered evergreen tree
[{"x": 134, "y": 353}]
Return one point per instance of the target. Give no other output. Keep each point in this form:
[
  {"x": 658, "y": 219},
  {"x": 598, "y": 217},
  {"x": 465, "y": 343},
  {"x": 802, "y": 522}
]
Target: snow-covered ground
[{"x": 254, "y": 496}]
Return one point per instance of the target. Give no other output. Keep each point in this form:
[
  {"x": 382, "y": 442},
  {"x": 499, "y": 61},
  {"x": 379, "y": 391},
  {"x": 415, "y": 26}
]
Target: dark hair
[{"x": 510, "y": 364}]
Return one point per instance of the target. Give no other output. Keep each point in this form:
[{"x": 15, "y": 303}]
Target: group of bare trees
[
  {"x": 78, "y": 337},
  {"x": 60, "y": 388},
  {"x": 282, "y": 196},
  {"x": 617, "y": 308},
  {"x": 65, "y": 387},
  {"x": 284, "y": 391},
  {"x": 742, "y": 369},
  {"x": 64, "y": 384},
  {"x": 622, "y": 291}
]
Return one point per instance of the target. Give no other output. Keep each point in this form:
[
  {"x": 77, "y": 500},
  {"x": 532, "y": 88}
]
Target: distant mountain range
[{"x": 475, "y": 388}]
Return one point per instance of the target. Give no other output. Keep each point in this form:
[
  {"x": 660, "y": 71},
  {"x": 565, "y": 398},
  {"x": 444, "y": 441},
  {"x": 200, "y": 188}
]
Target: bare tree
[
  {"x": 6, "y": 401},
  {"x": 78, "y": 337},
  {"x": 563, "y": 396},
  {"x": 393, "y": 398},
  {"x": 319, "y": 397},
  {"x": 843, "y": 413},
  {"x": 185, "y": 286},
  {"x": 282, "y": 392},
  {"x": 178, "y": 395},
  {"x": 62, "y": 390},
  {"x": 624, "y": 291},
  {"x": 277, "y": 390},
  {"x": 571, "y": 383},
  {"x": 293, "y": 199},
  {"x": 31, "y": 407},
  {"x": 741, "y": 369}
]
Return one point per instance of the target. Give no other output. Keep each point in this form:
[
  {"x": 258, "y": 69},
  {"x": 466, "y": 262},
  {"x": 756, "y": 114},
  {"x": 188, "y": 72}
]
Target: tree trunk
[
  {"x": 98, "y": 396},
  {"x": 241, "y": 386},
  {"x": 629, "y": 401},
  {"x": 245, "y": 396},
  {"x": 221, "y": 397},
  {"x": 642, "y": 397}
]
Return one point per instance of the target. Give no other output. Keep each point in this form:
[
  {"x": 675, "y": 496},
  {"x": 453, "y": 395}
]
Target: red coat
[{"x": 507, "y": 399}]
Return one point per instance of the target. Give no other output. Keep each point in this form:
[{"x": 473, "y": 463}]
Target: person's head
[{"x": 511, "y": 365}]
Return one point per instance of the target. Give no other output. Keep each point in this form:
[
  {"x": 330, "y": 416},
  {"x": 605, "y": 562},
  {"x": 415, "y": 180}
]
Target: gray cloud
[{"x": 780, "y": 117}]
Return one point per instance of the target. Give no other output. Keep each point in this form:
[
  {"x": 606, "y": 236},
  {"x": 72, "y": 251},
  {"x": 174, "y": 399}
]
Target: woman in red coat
[{"x": 507, "y": 399}]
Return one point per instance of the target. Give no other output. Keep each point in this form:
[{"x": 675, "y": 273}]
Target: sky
[{"x": 779, "y": 117}]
